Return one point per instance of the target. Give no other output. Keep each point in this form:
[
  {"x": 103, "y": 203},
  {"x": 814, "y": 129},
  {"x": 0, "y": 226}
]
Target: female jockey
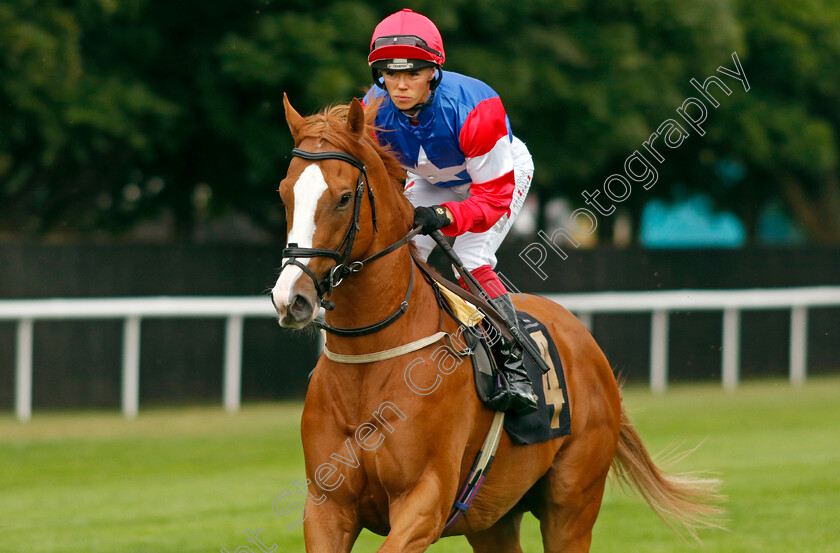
[{"x": 467, "y": 174}]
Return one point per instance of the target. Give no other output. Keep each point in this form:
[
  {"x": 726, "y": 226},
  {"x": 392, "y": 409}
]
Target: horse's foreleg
[
  {"x": 416, "y": 518},
  {"x": 502, "y": 537},
  {"x": 330, "y": 528}
]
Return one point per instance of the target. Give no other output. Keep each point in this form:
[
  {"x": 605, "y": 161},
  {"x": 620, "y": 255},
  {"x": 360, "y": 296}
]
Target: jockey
[{"x": 467, "y": 174}]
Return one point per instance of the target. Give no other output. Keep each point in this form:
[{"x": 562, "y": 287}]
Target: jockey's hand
[{"x": 431, "y": 218}]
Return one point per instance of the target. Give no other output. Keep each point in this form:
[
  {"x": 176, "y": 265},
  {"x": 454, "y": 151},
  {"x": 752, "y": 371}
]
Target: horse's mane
[{"x": 331, "y": 125}]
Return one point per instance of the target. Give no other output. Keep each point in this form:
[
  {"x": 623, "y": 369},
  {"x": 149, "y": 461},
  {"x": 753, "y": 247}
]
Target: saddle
[
  {"x": 480, "y": 339},
  {"x": 551, "y": 419}
]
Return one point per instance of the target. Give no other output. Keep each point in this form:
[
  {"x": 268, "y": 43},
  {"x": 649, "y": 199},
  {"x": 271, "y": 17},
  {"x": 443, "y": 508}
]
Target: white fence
[
  {"x": 731, "y": 302},
  {"x": 235, "y": 309},
  {"x": 132, "y": 311}
]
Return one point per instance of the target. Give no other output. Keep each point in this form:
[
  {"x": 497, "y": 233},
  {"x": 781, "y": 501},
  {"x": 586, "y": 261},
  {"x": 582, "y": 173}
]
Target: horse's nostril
[{"x": 300, "y": 306}]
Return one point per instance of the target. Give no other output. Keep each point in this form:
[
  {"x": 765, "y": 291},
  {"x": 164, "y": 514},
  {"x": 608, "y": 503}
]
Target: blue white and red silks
[{"x": 463, "y": 137}]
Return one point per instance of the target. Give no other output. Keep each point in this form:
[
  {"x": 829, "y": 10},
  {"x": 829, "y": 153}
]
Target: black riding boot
[{"x": 520, "y": 397}]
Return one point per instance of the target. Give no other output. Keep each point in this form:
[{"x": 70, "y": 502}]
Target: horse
[{"x": 381, "y": 456}]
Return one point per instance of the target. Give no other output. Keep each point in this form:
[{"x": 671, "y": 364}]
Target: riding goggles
[{"x": 403, "y": 40}]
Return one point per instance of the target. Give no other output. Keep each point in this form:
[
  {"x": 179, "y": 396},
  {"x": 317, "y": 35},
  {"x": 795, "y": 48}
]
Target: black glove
[{"x": 430, "y": 218}]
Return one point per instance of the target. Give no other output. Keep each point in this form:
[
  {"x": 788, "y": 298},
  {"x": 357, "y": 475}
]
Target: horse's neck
[{"x": 372, "y": 295}]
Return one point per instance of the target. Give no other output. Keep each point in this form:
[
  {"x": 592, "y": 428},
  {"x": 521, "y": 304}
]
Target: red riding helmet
[{"x": 404, "y": 41}]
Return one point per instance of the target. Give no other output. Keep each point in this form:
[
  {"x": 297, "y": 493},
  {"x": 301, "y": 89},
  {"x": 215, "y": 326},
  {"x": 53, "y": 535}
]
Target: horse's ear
[
  {"x": 295, "y": 120},
  {"x": 356, "y": 118}
]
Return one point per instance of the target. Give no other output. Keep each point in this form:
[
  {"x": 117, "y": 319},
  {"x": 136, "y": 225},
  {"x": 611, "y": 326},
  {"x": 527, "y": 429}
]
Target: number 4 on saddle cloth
[{"x": 552, "y": 417}]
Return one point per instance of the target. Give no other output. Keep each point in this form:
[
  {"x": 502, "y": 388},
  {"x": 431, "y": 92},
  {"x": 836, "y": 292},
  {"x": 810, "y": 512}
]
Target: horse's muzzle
[{"x": 298, "y": 313}]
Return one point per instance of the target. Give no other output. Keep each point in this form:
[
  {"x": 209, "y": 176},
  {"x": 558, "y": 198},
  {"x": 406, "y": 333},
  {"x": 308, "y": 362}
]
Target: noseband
[{"x": 344, "y": 267}]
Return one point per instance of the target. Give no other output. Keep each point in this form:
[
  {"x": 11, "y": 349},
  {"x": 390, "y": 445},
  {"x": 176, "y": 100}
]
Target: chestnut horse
[{"x": 381, "y": 455}]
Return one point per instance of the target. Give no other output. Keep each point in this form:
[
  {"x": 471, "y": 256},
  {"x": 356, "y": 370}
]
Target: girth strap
[{"x": 479, "y": 471}]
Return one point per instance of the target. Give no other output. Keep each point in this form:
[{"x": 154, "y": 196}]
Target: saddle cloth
[{"x": 552, "y": 418}]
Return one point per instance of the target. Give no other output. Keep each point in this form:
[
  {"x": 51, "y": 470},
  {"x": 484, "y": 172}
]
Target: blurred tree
[
  {"x": 787, "y": 127},
  {"x": 313, "y": 55},
  {"x": 114, "y": 112},
  {"x": 586, "y": 82},
  {"x": 72, "y": 129},
  {"x": 40, "y": 66}
]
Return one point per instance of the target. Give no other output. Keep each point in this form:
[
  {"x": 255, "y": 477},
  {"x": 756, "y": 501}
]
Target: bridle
[{"x": 344, "y": 267}]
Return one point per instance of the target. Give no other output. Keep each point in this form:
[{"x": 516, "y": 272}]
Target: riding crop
[{"x": 478, "y": 290}]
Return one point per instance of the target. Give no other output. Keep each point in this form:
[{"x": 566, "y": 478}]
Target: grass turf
[{"x": 194, "y": 479}]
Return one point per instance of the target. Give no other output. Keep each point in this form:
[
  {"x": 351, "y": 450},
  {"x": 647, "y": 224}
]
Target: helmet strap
[
  {"x": 436, "y": 81},
  {"x": 377, "y": 80},
  {"x": 415, "y": 110}
]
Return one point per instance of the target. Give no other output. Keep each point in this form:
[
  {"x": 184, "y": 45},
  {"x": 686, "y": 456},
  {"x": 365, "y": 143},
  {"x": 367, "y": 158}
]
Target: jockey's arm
[
  {"x": 486, "y": 143},
  {"x": 488, "y": 202}
]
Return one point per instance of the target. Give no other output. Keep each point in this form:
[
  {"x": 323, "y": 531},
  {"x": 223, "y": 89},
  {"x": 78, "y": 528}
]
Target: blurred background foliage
[{"x": 115, "y": 114}]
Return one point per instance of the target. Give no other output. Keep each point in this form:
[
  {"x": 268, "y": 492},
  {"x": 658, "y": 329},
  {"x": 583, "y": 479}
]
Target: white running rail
[
  {"x": 234, "y": 309},
  {"x": 132, "y": 311},
  {"x": 730, "y": 302}
]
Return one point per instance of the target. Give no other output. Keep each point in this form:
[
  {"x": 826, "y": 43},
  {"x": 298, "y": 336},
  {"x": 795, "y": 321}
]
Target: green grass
[{"x": 193, "y": 479}]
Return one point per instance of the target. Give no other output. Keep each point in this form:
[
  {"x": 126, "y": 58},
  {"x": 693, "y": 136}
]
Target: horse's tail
[{"x": 687, "y": 499}]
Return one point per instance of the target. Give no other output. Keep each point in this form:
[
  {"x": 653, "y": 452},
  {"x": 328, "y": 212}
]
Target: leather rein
[{"x": 344, "y": 267}]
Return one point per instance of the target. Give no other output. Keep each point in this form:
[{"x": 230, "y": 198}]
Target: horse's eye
[{"x": 345, "y": 199}]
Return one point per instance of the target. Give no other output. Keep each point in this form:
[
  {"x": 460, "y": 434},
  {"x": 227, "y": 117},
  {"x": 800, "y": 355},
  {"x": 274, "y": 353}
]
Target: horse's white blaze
[{"x": 307, "y": 192}]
